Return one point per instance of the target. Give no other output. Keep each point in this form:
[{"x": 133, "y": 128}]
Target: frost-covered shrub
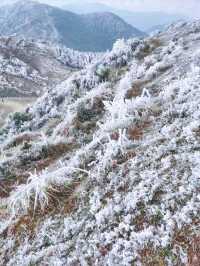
[
  {"x": 84, "y": 114},
  {"x": 122, "y": 53},
  {"x": 103, "y": 73},
  {"x": 20, "y": 118},
  {"x": 76, "y": 59}
]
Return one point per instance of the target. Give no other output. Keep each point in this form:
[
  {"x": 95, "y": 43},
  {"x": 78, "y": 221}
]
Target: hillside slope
[
  {"x": 95, "y": 32},
  {"x": 104, "y": 169},
  {"x": 29, "y": 68}
]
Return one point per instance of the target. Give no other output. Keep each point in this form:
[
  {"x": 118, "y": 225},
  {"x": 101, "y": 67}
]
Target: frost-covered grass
[
  {"x": 37, "y": 191},
  {"x": 135, "y": 159}
]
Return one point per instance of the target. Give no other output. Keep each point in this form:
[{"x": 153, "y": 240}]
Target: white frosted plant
[
  {"x": 37, "y": 191},
  {"x": 119, "y": 46},
  {"x": 122, "y": 113},
  {"x": 111, "y": 149},
  {"x": 74, "y": 58}
]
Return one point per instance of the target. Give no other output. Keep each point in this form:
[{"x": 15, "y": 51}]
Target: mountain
[
  {"x": 29, "y": 68},
  {"x": 104, "y": 168},
  {"x": 93, "y": 32},
  {"x": 146, "y": 20},
  {"x": 141, "y": 20}
]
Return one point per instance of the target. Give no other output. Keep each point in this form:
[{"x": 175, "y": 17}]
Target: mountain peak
[{"x": 94, "y": 32}]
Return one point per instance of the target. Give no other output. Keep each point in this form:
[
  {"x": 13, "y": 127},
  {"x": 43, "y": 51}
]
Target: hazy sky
[{"x": 188, "y": 7}]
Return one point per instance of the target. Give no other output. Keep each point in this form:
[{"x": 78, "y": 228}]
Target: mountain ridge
[
  {"x": 141, "y": 20},
  {"x": 84, "y": 33}
]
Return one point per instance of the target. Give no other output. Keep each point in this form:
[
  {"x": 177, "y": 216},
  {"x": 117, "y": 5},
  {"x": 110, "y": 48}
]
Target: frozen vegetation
[
  {"x": 28, "y": 68},
  {"x": 104, "y": 169}
]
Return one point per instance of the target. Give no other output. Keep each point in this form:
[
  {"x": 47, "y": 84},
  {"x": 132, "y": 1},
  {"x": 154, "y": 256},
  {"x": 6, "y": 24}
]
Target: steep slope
[
  {"x": 104, "y": 169},
  {"x": 29, "y": 68},
  {"x": 104, "y": 26},
  {"x": 38, "y": 21}
]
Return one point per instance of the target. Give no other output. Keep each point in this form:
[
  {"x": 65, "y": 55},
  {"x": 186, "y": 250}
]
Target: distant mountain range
[
  {"x": 141, "y": 20},
  {"x": 92, "y": 32}
]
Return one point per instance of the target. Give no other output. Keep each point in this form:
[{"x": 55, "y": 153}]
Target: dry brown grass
[
  {"x": 24, "y": 226},
  {"x": 43, "y": 164},
  {"x": 149, "y": 47},
  {"x": 57, "y": 150},
  {"x": 49, "y": 155},
  {"x": 5, "y": 188},
  {"x": 114, "y": 136},
  {"x": 184, "y": 238},
  {"x": 8, "y": 184},
  {"x": 150, "y": 257},
  {"x": 22, "y": 172},
  {"x": 104, "y": 250},
  {"x": 156, "y": 42},
  {"x": 86, "y": 127},
  {"x": 137, "y": 132},
  {"x": 62, "y": 200},
  {"x": 22, "y": 138},
  {"x": 194, "y": 252},
  {"x": 134, "y": 133},
  {"x": 136, "y": 89}
]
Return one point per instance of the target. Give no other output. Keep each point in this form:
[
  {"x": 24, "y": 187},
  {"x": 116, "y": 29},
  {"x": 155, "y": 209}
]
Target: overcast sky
[{"x": 188, "y": 7}]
